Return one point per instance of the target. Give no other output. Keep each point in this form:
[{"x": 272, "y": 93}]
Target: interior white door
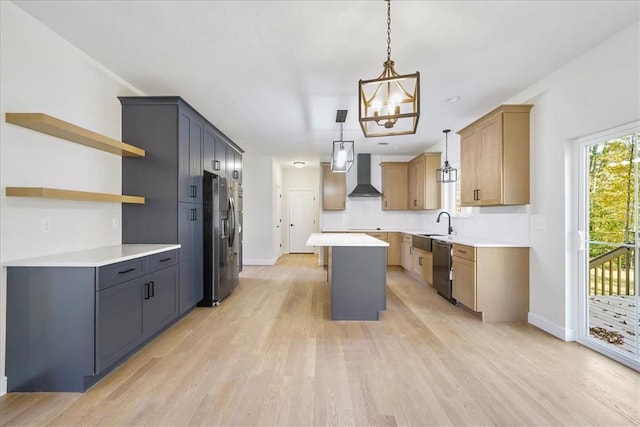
[{"x": 302, "y": 209}]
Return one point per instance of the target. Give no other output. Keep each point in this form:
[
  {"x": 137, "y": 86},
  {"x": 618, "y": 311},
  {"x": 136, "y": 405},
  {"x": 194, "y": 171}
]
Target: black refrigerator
[{"x": 220, "y": 239}]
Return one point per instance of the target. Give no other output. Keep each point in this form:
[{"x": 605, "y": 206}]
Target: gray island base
[{"x": 357, "y": 274}]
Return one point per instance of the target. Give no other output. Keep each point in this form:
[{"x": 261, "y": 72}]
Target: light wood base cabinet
[
  {"x": 494, "y": 282},
  {"x": 393, "y": 251},
  {"x": 406, "y": 255}
]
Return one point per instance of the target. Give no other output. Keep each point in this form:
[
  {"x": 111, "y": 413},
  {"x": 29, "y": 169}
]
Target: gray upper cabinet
[
  {"x": 190, "y": 140},
  {"x": 220, "y": 155}
]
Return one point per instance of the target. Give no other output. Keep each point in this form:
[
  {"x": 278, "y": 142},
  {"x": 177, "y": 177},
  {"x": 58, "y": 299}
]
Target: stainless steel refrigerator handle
[
  {"x": 232, "y": 219},
  {"x": 224, "y": 234}
]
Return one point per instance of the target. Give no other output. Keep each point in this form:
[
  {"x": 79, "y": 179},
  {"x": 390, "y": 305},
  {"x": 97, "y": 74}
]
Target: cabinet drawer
[
  {"x": 464, "y": 251},
  {"x": 162, "y": 260},
  {"x": 381, "y": 236},
  {"x": 113, "y": 274}
]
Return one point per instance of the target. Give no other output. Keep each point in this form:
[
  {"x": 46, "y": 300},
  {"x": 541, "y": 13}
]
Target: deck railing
[{"x": 612, "y": 273}]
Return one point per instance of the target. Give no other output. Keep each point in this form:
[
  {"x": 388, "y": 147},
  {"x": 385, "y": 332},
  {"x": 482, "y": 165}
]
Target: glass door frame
[{"x": 582, "y": 195}]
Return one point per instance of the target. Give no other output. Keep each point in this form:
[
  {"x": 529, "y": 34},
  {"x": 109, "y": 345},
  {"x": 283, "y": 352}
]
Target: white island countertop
[
  {"x": 344, "y": 239},
  {"x": 96, "y": 257}
]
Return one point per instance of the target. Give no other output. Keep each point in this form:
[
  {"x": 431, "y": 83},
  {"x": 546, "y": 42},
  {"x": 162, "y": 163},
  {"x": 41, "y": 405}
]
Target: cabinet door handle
[
  {"x": 146, "y": 291},
  {"x": 165, "y": 259},
  {"x": 153, "y": 289},
  {"x": 129, "y": 270},
  {"x": 385, "y": 203},
  {"x": 194, "y": 191},
  {"x": 216, "y": 165},
  {"x": 419, "y": 260},
  {"x": 194, "y": 214},
  {"x": 235, "y": 174}
]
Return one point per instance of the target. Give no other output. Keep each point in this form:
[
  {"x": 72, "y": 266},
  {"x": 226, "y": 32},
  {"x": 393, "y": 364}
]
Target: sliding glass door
[{"x": 609, "y": 265}]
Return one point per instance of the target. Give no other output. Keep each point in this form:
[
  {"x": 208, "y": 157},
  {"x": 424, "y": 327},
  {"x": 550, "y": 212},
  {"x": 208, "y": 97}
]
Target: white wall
[
  {"x": 597, "y": 91},
  {"x": 41, "y": 72},
  {"x": 259, "y": 228}
]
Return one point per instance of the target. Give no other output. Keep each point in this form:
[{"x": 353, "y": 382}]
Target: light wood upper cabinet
[
  {"x": 334, "y": 189},
  {"x": 395, "y": 186},
  {"x": 424, "y": 190},
  {"x": 494, "y": 158}
]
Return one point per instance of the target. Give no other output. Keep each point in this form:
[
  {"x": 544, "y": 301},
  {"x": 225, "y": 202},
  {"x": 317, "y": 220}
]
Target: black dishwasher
[{"x": 442, "y": 268}]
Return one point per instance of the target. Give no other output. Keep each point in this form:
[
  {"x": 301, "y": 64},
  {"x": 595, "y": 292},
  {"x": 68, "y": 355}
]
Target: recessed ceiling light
[
  {"x": 299, "y": 164},
  {"x": 453, "y": 99}
]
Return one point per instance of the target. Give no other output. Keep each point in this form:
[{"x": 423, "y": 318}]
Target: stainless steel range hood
[{"x": 364, "y": 187}]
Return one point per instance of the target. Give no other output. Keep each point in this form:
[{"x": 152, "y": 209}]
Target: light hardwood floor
[{"x": 268, "y": 355}]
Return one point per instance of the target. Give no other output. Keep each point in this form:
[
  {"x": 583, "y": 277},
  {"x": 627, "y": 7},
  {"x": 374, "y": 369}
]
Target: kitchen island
[{"x": 357, "y": 274}]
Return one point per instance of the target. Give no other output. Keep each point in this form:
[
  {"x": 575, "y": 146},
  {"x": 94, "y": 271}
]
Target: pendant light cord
[{"x": 446, "y": 146}]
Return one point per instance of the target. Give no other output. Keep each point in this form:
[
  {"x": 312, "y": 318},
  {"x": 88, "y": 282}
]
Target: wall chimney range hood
[{"x": 364, "y": 187}]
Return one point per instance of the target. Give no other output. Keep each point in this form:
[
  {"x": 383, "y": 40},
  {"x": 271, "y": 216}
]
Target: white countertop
[
  {"x": 487, "y": 242},
  {"x": 96, "y": 257},
  {"x": 344, "y": 239}
]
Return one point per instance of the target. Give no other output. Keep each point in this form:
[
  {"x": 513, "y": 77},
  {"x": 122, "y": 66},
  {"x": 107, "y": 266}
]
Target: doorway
[
  {"x": 609, "y": 319},
  {"x": 302, "y": 214}
]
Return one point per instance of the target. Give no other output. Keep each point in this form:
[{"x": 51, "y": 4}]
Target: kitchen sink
[{"x": 423, "y": 241}]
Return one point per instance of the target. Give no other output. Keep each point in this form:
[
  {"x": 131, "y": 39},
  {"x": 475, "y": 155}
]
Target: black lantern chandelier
[
  {"x": 446, "y": 173},
  {"x": 342, "y": 153},
  {"x": 389, "y": 104}
]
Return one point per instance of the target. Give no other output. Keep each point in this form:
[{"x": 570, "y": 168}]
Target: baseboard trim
[
  {"x": 551, "y": 328},
  {"x": 271, "y": 261}
]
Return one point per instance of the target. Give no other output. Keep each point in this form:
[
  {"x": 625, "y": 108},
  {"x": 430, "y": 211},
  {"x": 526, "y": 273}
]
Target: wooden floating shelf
[
  {"x": 59, "y": 128},
  {"x": 56, "y": 193}
]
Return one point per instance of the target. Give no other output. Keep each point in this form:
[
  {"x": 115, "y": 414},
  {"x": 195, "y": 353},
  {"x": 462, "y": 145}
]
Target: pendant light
[
  {"x": 342, "y": 153},
  {"x": 389, "y": 104},
  {"x": 446, "y": 173}
]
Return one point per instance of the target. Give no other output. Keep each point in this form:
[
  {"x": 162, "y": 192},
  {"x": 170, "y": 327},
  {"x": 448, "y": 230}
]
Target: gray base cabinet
[
  {"x": 358, "y": 280},
  {"x": 68, "y": 326}
]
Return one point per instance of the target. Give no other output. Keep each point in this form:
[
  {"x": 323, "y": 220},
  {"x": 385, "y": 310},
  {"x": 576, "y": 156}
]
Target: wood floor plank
[{"x": 270, "y": 355}]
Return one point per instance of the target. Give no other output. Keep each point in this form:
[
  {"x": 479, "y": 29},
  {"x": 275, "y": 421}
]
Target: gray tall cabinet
[{"x": 179, "y": 144}]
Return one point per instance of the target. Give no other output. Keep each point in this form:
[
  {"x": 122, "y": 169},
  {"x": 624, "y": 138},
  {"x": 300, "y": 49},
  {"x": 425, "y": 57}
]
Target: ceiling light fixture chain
[{"x": 388, "y": 30}]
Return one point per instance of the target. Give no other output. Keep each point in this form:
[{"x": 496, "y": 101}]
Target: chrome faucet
[{"x": 438, "y": 220}]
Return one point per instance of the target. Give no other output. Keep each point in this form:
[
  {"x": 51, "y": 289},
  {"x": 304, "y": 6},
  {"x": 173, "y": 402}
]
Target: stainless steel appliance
[
  {"x": 220, "y": 239},
  {"x": 442, "y": 268}
]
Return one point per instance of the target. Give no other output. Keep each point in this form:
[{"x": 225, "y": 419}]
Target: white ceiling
[{"x": 271, "y": 74}]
